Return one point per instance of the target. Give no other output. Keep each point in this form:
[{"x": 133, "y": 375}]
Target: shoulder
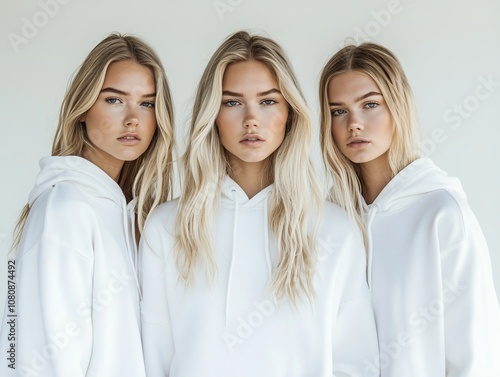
[
  {"x": 162, "y": 218},
  {"x": 61, "y": 217},
  {"x": 336, "y": 219},
  {"x": 64, "y": 203},
  {"x": 446, "y": 205},
  {"x": 339, "y": 233},
  {"x": 451, "y": 217},
  {"x": 164, "y": 213}
]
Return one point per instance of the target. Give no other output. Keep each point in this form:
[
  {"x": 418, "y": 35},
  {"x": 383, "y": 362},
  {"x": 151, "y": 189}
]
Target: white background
[{"x": 448, "y": 49}]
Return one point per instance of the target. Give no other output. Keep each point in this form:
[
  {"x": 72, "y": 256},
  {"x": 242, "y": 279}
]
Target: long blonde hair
[
  {"x": 149, "y": 177},
  {"x": 384, "y": 68},
  {"x": 295, "y": 193}
]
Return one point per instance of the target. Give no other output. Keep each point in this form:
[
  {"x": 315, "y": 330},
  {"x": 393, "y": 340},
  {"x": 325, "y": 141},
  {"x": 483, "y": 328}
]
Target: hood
[
  {"x": 418, "y": 178},
  {"x": 78, "y": 171}
]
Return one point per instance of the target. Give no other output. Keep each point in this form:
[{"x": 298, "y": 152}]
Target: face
[
  {"x": 253, "y": 114},
  {"x": 362, "y": 126},
  {"x": 122, "y": 121}
]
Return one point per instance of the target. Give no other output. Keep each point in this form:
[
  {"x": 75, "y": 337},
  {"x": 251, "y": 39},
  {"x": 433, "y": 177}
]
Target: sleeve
[
  {"x": 355, "y": 343},
  {"x": 54, "y": 317},
  {"x": 471, "y": 310},
  {"x": 157, "y": 335}
]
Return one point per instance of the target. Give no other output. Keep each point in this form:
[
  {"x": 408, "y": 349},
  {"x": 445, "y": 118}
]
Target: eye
[
  {"x": 231, "y": 103},
  {"x": 148, "y": 104},
  {"x": 112, "y": 100},
  {"x": 371, "y": 105},
  {"x": 269, "y": 102},
  {"x": 337, "y": 112}
]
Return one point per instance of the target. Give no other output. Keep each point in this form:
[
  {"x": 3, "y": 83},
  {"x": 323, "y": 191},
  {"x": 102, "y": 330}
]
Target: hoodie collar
[
  {"x": 418, "y": 178},
  {"x": 232, "y": 193}
]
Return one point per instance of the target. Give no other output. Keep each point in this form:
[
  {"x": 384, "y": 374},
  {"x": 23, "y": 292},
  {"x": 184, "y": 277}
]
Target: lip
[
  {"x": 129, "y": 139},
  {"x": 357, "y": 142},
  {"x": 252, "y": 140}
]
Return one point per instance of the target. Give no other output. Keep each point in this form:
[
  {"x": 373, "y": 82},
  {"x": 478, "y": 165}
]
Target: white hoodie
[
  {"x": 233, "y": 327},
  {"x": 435, "y": 305},
  {"x": 77, "y": 295}
]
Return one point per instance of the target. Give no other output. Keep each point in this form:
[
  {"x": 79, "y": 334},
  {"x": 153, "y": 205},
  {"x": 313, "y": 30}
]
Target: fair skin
[
  {"x": 251, "y": 122},
  {"x": 122, "y": 121},
  {"x": 362, "y": 128}
]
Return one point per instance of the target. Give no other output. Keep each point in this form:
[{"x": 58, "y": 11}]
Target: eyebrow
[
  {"x": 360, "y": 98},
  {"x": 261, "y": 94},
  {"x": 121, "y": 92}
]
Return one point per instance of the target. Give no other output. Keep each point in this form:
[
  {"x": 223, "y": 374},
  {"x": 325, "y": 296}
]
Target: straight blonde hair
[
  {"x": 295, "y": 193},
  {"x": 149, "y": 177}
]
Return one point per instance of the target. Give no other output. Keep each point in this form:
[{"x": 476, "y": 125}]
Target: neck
[
  {"x": 111, "y": 166},
  {"x": 375, "y": 176},
  {"x": 250, "y": 177}
]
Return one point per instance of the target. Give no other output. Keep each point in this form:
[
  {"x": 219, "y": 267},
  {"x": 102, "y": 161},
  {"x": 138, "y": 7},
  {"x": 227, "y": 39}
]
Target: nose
[
  {"x": 250, "y": 120},
  {"x": 355, "y": 123},
  {"x": 131, "y": 119}
]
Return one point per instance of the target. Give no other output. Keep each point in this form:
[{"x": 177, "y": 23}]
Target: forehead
[
  {"x": 129, "y": 72},
  {"x": 351, "y": 84},
  {"x": 249, "y": 75}
]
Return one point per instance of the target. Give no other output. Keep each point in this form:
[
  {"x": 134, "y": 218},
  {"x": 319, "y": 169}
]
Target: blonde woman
[
  {"x": 243, "y": 275},
  {"x": 429, "y": 268},
  {"x": 77, "y": 296}
]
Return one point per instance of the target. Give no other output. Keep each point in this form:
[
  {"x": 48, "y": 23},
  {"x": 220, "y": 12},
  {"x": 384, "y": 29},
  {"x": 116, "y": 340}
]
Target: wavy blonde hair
[
  {"x": 295, "y": 193},
  {"x": 385, "y": 69},
  {"x": 149, "y": 177}
]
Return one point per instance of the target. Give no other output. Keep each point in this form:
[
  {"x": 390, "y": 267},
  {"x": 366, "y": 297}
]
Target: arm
[
  {"x": 471, "y": 310},
  {"x": 157, "y": 335},
  {"x": 54, "y": 322}
]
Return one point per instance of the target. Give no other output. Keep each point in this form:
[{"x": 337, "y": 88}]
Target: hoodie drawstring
[
  {"x": 371, "y": 215},
  {"x": 235, "y": 222}
]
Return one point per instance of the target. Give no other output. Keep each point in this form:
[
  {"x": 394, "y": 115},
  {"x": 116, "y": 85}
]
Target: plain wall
[{"x": 449, "y": 50}]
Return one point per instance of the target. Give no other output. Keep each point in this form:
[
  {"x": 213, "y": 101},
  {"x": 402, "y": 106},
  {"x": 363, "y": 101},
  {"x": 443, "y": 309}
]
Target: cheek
[
  {"x": 107, "y": 124},
  {"x": 99, "y": 124},
  {"x": 336, "y": 131},
  {"x": 97, "y": 129},
  {"x": 95, "y": 135},
  {"x": 387, "y": 125},
  {"x": 151, "y": 122},
  {"x": 225, "y": 123},
  {"x": 151, "y": 129},
  {"x": 277, "y": 122}
]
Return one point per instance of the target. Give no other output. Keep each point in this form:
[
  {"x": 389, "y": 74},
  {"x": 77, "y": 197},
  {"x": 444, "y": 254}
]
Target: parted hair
[
  {"x": 149, "y": 177},
  {"x": 384, "y": 68},
  {"x": 295, "y": 193}
]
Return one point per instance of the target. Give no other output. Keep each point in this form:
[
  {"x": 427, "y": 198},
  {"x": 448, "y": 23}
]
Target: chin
[{"x": 131, "y": 156}]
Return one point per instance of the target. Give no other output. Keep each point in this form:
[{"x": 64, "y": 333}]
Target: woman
[
  {"x": 77, "y": 290},
  {"x": 240, "y": 275},
  {"x": 429, "y": 270}
]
